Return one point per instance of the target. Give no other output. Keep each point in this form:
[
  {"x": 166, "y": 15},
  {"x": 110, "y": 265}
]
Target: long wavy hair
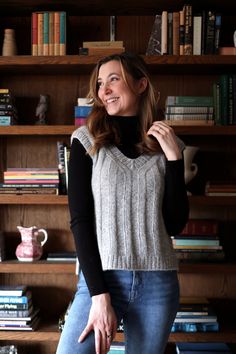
[{"x": 100, "y": 126}]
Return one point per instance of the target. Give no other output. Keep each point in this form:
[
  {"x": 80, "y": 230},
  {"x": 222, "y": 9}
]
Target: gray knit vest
[{"x": 128, "y": 196}]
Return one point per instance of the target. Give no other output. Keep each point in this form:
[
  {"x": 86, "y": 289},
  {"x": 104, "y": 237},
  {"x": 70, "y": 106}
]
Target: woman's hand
[
  {"x": 102, "y": 320},
  {"x": 166, "y": 137}
]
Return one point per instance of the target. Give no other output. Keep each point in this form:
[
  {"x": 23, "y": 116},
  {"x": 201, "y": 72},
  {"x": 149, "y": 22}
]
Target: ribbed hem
[{"x": 110, "y": 262}]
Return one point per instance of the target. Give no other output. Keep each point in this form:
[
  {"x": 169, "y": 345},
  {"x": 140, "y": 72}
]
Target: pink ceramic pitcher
[{"x": 30, "y": 248}]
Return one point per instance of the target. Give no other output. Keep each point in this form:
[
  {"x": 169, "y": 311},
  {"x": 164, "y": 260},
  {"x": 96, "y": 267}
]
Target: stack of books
[
  {"x": 189, "y": 110},
  {"x": 30, "y": 181},
  {"x": 117, "y": 348},
  {"x": 220, "y": 188},
  {"x": 201, "y": 348},
  {"x": 48, "y": 30},
  {"x": 185, "y": 33},
  {"x": 8, "y": 111},
  {"x": 199, "y": 241},
  {"x": 82, "y": 110},
  {"x": 195, "y": 315},
  {"x": 17, "y": 312},
  {"x": 102, "y": 48}
]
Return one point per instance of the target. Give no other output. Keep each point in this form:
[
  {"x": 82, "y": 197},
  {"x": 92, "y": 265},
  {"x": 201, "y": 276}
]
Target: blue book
[
  {"x": 82, "y": 111},
  {"x": 15, "y": 299}
]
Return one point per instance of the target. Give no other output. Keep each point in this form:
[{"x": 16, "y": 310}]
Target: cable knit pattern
[{"x": 128, "y": 196}]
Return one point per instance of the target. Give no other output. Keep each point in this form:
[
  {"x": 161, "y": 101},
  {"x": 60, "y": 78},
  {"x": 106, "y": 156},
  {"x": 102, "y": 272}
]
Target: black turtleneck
[{"x": 81, "y": 205}]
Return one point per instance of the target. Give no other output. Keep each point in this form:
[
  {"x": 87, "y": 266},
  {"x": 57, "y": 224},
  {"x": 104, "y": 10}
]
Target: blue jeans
[{"x": 147, "y": 301}]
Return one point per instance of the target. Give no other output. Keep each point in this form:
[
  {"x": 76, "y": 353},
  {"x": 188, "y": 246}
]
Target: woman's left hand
[{"x": 167, "y": 139}]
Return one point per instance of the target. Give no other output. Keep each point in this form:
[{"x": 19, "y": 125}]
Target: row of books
[
  {"x": 17, "y": 312},
  {"x": 202, "y": 347},
  {"x": 194, "y": 109},
  {"x": 184, "y": 33},
  {"x": 199, "y": 241},
  {"x": 224, "y": 94},
  {"x": 30, "y": 181},
  {"x": 48, "y": 33},
  {"x": 8, "y": 111}
]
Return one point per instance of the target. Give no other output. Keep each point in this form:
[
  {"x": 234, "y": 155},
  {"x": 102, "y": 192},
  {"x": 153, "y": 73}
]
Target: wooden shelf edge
[
  {"x": 67, "y": 60},
  {"x": 68, "y": 130},
  {"x": 40, "y": 199},
  {"x": 37, "y": 267},
  {"x": 50, "y": 333}
]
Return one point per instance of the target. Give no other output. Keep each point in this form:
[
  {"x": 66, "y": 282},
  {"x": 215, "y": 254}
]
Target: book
[
  {"x": 181, "y": 32},
  {"x": 190, "y": 122},
  {"x": 24, "y": 299},
  {"x": 62, "y": 256},
  {"x": 12, "y": 290},
  {"x": 23, "y": 320},
  {"x": 195, "y": 242},
  {"x": 188, "y": 30},
  {"x": 99, "y": 44},
  {"x": 189, "y": 101},
  {"x": 164, "y": 32},
  {"x": 62, "y": 39},
  {"x": 197, "y": 34},
  {"x": 210, "y": 33},
  {"x": 175, "y": 33},
  {"x": 16, "y": 313},
  {"x": 102, "y": 50}
]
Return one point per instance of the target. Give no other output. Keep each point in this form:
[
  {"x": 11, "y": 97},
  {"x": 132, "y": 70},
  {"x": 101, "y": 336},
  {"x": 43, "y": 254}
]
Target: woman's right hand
[{"x": 102, "y": 320}]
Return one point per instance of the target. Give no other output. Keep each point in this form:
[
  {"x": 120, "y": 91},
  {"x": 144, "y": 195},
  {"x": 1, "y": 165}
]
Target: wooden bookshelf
[{"x": 65, "y": 78}]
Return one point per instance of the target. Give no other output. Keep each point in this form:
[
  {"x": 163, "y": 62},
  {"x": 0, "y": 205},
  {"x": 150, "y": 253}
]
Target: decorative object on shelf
[
  {"x": 30, "y": 249},
  {"x": 9, "y": 43},
  {"x": 41, "y": 109},
  {"x": 8, "y": 349},
  {"x": 190, "y": 168}
]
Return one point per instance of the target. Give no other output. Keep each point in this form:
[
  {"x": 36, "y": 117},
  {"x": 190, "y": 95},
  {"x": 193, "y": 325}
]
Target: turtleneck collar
[{"x": 129, "y": 136}]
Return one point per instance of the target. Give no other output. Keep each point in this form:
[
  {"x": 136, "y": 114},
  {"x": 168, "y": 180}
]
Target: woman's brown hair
[{"x": 98, "y": 123}]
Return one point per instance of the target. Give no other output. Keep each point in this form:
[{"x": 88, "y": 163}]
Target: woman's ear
[{"x": 142, "y": 85}]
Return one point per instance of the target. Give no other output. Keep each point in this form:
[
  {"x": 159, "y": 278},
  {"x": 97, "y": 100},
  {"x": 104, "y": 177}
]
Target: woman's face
[{"x": 115, "y": 94}]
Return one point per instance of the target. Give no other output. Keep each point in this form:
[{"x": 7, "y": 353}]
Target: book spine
[
  {"x": 45, "y": 33},
  {"x": 188, "y": 30},
  {"x": 181, "y": 32},
  {"x": 164, "y": 33},
  {"x": 210, "y": 33},
  {"x": 51, "y": 33},
  {"x": 56, "y": 33},
  {"x": 230, "y": 100},
  {"x": 217, "y": 33},
  {"x": 224, "y": 98},
  {"x": 170, "y": 33},
  {"x": 40, "y": 33},
  {"x": 34, "y": 34},
  {"x": 62, "y": 33},
  {"x": 14, "y": 299},
  {"x": 216, "y": 102},
  {"x": 189, "y": 101},
  {"x": 197, "y": 34},
  {"x": 175, "y": 33}
]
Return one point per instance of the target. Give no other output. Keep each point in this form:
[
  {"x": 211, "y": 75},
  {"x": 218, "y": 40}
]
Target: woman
[{"x": 126, "y": 197}]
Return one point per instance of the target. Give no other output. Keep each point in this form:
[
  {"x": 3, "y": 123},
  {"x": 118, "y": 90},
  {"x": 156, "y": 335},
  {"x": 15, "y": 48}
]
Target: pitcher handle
[{"x": 45, "y": 236}]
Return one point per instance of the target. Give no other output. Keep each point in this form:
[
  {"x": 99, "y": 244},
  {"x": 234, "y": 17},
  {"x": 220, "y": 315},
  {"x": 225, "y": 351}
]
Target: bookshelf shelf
[
  {"x": 39, "y": 267},
  {"x": 62, "y": 200},
  {"x": 32, "y": 130},
  {"x": 34, "y": 199},
  {"x": 45, "y": 267},
  {"x": 84, "y": 64},
  {"x": 49, "y": 333}
]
